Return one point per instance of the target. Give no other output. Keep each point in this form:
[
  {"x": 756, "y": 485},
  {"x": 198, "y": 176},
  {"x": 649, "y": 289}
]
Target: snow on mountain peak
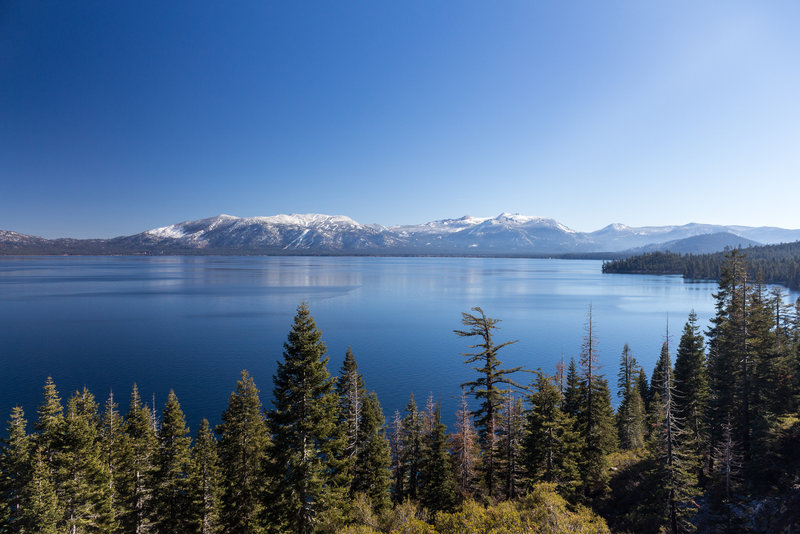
[
  {"x": 516, "y": 218},
  {"x": 307, "y": 219},
  {"x": 167, "y": 232}
]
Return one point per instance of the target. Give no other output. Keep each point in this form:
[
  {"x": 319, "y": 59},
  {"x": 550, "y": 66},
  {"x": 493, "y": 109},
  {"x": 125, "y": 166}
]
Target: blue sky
[{"x": 116, "y": 117}]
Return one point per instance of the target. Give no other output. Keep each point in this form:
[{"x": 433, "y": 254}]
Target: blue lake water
[{"x": 192, "y": 323}]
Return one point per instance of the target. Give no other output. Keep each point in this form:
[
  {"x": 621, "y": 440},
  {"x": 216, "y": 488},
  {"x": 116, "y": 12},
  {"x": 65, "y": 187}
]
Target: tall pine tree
[
  {"x": 371, "y": 475},
  {"x": 596, "y": 422},
  {"x": 242, "y": 449},
  {"x": 112, "y": 449},
  {"x": 307, "y": 446},
  {"x": 691, "y": 393},
  {"x": 139, "y": 455},
  {"x": 465, "y": 450},
  {"x": 510, "y": 433},
  {"x": 82, "y": 480},
  {"x": 630, "y": 415},
  {"x": 205, "y": 483},
  {"x": 411, "y": 458},
  {"x": 437, "y": 485},
  {"x": 551, "y": 445},
  {"x": 171, "y": 499},
  {"x": 486, "y": 388},
  {"x": 15, "y": 469}
]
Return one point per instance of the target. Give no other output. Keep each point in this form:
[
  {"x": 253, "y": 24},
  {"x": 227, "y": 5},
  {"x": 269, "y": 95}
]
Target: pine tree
[
  {"x": 41, "y": 512},
  {"x": 510, "y": 434},
  {"x": 15, "y": 466},
  {"x": 728, "y": 359},
  {"x": 726, "y": 479},
  {"x": 82, "y": 476},
  {"x": 242, "y": 452},
  {"x": 371, "y": 475},
  {"x": 630, "y": 415},
  {"x": 397, "y": 453},
  {"x": 112, "y": 450},
  {"x": 660, "y": 373},
  {"x": 486, "y": 389},
  {"x": 571, "y": 401},
  {"x": 171, "y": 499},
  {"x": 561, "y": 376},
  {"x": 551, "y": 446},
  {"x": 596, "y": 421},
  {"x": 205, "y": 484},
  {"x": 464, "y": 444},
  {"x": 774, "y": 372},
  {"x": 351, "y": 392},
  {"x": 437, "y": 486},
  {"x": 674, "y": 474},
  {"x": 643, "y": 387},
  {"x": 136, "y": 482},
  {"x": 412, "y": 447},
  {"x": 49, "y": 424},
  {"x": 307, "y": 445},
  {"x": 691, "y": 392}
]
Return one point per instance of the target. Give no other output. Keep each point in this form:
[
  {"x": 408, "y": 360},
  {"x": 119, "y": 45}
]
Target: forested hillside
[
  {"x": 774, "y": 264},
  {"x": 707, "y": 443}
]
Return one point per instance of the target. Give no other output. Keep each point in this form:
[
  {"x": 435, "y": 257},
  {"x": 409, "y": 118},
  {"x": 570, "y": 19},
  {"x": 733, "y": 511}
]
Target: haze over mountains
[{"x": 338, "y": 234}]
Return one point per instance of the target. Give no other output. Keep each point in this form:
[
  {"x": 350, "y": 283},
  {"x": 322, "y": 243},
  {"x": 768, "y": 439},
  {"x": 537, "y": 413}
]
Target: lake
[{"x": 192, "y": 323}]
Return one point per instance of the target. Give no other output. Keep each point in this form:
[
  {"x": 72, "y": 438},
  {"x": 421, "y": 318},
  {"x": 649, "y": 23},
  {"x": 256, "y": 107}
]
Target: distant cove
[{"x": 192, "y": 323}]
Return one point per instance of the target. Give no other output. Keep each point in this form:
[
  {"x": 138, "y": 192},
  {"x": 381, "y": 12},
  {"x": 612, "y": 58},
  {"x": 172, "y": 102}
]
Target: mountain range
[{"x": 506, "y": 234}]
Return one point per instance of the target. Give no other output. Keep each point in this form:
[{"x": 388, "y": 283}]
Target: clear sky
[{"x": 116, "y": 117}]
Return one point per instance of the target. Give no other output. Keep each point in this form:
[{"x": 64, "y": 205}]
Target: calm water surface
[{"x": 191, "y": 324}]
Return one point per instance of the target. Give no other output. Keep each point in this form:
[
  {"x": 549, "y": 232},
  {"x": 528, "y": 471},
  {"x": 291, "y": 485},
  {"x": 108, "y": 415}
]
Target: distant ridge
[
  {"x": 699, "y": 244},
  {"x": 505, "y": 234}
]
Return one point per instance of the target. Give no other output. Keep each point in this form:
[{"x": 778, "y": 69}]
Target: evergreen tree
[
  {"x": 437, "y": 488},
  {"x": 112, "y": 450},
  {"x": 486, "y": 388},
  {"x": 171, "y": 499},
  {"x": 596, "y": 421},
  {"x": 371, "y": 475},
  {"x": 136, "y": 480},
  {"x": 82, "y": 476},
  {"x": 15, "y": 467},
  {"x": 727, "y": 354},
  {"x": 49, "y": 424},
  {"x": 571, "y": 402},
  {"x": 643, "y": 387},
  {"x": 776, "y": 366},
  {"x": 412, "y": 448},
  {"x": 464, "y": 444},
  {"x": 691, "y": 392},
  {"x": 674, "y": 475},
  {"x": 659, "y": 376},
  {"x": 307, "y": 445},
  {"x": 551, "y": 447},
  {"x": 630, "y": 415},
  {"x": 510, "y": 434},
  {"x": 726, "y": 480},
  {"x": 205, "y": 483},
  {"x": 242, "y": 452},
  {"x": 40, "y": 510},
  {"x": 351, "y": 392},
  {"x": 397, "y": 453}
]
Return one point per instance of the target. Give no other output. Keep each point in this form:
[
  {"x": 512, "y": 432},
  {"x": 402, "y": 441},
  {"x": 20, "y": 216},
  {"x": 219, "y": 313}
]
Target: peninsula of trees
[
  {"x": 707, "y": 443},
  {"x": 773, "y": 264}
]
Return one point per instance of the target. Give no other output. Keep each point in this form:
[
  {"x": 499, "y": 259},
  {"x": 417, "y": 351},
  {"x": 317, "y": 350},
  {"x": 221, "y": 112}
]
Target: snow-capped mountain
[
  {"x": 337, "y": 234},
  {"x": 505, "y": 233},
  {"x": 312, "y": 232}
]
